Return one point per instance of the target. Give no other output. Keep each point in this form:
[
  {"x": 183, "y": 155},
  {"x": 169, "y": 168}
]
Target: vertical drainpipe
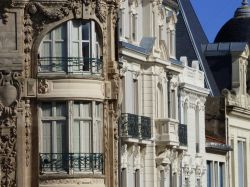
[{"x": 169, "y": 77}]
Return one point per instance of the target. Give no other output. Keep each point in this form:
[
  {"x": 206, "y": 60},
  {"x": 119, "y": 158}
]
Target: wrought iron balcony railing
[
  {"x": 68, "y": 162},
  {"x": 70, "y": 65},
  {"x": 135, "y": 126},
  {"x": 183, "y": 135}
]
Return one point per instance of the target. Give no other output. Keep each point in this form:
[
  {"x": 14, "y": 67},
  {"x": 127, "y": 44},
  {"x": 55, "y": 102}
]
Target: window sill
[
  {"x": 54, "y": 75},
  {"x": 54, "y": 175}
]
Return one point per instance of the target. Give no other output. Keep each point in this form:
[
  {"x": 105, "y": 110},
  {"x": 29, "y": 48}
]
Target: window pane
[
  {"x": 60, "y": 33},
  {"x": 85, "y": 49},
  {"x": 209, "y": 174},
  {"x": 85, "y": 31},
  {"x": 46, "y": 49},
  {"x": 60, "y": 50},
  {"x": 75, "y": 49},
  {"x": 81, "y": 136},
  {"x": 75, "y": 30},
  {"x": 46, "y": 109},
  {"x": 47, "y": 137},
  {"x": 61, "y": 109},
  {"x": 47, "y": 36},
  {"x": 97, "y": 137},
  {"x": 61, "y": 137},
  {"x": 76, "y": 137},
  {"x": 82, "y": 109}
]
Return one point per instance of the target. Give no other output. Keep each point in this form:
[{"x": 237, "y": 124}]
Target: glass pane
[
  {"x": 46, "y": 49},
  {"x": 75, "y": 49},
  {"x": 60, "y": 33},
  {"x": 60, "y": 49},
  {"x": 61, "y": 109},
  {"x": 99, "y": 110},
  {"x": 46, "y": 109},
  {"x": 76, "y": 109},
  {"x": 85, "y": 49},
  {"x": 75, "y": 30},
  {"x": 86, "y": 135},
  {"x": 47, "y": 139},
  {"x": 61, "y": 137},
  {"x": 240, "y": 164},
  {"x": 97, "y": 137},
  {"x": 86, "y": 110},
  {"x": 76, "y": 137},
  {"x": 47, "y": 36},
  {"x": 85, "y": 31}
]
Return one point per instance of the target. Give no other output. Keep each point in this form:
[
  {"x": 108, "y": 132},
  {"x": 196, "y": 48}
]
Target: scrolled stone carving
[
  {"x": 101, "y": 10},
  {"x": 10, "y": 94}
]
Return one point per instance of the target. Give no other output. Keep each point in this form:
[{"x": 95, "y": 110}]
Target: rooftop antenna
[{"x": 244, "y": 3}]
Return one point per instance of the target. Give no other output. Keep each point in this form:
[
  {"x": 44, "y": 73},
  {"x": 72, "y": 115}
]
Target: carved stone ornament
[
  {"x": 4, "y": 15},
  {"x": 43, "y": 86},
  {"x": 10, "y": 90}
]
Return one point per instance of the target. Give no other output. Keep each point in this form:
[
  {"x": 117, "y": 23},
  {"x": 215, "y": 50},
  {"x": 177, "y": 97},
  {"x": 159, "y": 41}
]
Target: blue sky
[{"x": 214, "y": 13}]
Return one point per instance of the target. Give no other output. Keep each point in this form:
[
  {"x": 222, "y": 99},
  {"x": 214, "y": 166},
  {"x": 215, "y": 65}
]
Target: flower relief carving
[
  {"x": 10, "y": 94},
  {"x": 43, "y": 86}
]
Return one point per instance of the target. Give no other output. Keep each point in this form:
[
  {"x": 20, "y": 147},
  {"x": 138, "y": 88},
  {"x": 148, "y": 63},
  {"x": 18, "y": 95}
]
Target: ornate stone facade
[{"x": 23, "y": 86}]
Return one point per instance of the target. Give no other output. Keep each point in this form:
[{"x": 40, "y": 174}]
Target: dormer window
[{"x": 72, "y": 47}]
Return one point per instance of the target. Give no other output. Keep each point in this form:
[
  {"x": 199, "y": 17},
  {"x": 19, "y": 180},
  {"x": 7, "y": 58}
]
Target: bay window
[
  {"x": 71, "y": 136},
  {"x": 73, "y": 47}
]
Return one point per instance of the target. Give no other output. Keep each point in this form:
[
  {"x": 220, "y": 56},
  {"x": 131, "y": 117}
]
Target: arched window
[{"x": 72, "y": 47}]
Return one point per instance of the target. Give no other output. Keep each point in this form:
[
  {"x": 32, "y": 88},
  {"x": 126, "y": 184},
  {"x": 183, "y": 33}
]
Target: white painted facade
[{"x": 155, "y": 85}]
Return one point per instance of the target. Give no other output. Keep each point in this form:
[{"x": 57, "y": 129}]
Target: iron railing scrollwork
[
  {"x": 135, "y": 126},
  {"x": 67, "y": 162},
  {"x": 69, "y": 65},
  {"x": 183, "y": 134}
]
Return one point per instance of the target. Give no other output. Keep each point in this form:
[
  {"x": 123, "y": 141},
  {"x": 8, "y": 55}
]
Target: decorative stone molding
[
  {"x": 10, "y": 94},
  {"x": 4, "y": 15},
  {"x": 124, "y": 156},
  {"x": 43, "y": 86},
  {"x": 137, "y": 156},
  {"x": 28, "y": 119},
  {"x": 74, "y": 181}
]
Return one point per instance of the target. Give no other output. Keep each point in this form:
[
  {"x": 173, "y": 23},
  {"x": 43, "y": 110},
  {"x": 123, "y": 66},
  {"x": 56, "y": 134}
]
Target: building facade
[
  {"x": 156, "y": 139},
  {"x": 59, "y": 93}
]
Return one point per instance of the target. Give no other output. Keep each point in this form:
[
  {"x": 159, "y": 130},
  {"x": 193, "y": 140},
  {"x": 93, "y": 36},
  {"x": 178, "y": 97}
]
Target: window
[
  {"x": 159, "y": 101},
  {"x": 71, "y": 136},
  {"x": 162, "y": 178},
  {"x": 209, "y": 174},
  {"x": 137, "y": 178},
  {"x": 215, "y": 174},
  {"x": 173, "y": 104},
  {"x": 185, "y": 113},
  {"x": 134, "y": 27},
  {"x": 135, "y": 96},
  {"x": 197, "y": 127},
  {"x": 241, "y": 163},
  {"x": 124, "y": 177},
  {"x": 71, "y": 47}
]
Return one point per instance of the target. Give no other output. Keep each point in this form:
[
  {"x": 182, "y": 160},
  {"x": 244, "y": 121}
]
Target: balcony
[
  {"x": 134, "y": 126},
  {"x": 167, "y": 132},
  {"x": 71, "y": 162},
  {"x": 183, "y": 135},
  {"x": 69, "y": 65}
]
